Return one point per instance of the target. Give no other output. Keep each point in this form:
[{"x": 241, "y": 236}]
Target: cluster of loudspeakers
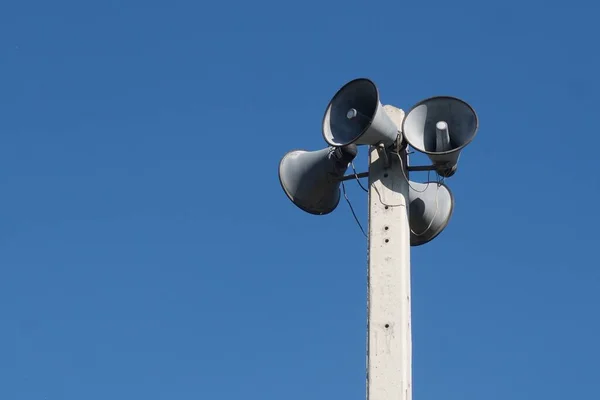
[{"x": 439, "y": 127}]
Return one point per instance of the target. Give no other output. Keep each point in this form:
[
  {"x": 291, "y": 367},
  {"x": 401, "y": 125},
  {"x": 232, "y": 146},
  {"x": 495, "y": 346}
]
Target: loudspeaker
[
  {"x": 355, "y": 115},
  {"x": 430, "y": 207},
  {"x": 441, "y": 127},
  {"x": 311, "y": 179}
]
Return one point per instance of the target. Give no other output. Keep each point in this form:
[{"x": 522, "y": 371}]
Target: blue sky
[{"x": 146, "y": 247}]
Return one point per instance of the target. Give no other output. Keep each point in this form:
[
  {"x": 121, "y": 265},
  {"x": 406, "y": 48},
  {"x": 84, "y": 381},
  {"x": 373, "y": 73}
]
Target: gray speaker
[
  {"x": 355, "y": 115},
  {"x": 430, "y": 207},
  {"x": 311, "y": 179},
  {"x": 441, "y": 127}
]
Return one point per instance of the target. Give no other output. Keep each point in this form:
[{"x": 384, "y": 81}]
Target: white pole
[{"x": 389, "y": 348}]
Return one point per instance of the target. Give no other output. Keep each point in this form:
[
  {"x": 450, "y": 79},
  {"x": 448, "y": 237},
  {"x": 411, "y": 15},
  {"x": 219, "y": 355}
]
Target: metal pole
[{"x": 389, "y": 342}]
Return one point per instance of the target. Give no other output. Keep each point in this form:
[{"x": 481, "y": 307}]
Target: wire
[
  {"x": 352, "y": 209},
  {"x": 439, "y": 182},
  {"x": 383, "y": 202},
  {"x": 406, "y": 177},
  {"x": 357, "y": 179},
  {"x": 407, "y": 180}
]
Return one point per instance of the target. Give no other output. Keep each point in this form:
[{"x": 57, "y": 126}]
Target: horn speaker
[
  {"x": 430, "y": 207},
  {"x": 311, "y": 179},
  {"x": 441, "y": 127},
  {"x": 355, "y": 115}
]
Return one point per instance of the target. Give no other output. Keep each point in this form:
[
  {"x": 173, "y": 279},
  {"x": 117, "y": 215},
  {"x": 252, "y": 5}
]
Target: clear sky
[{"x": 147, "y": 250}]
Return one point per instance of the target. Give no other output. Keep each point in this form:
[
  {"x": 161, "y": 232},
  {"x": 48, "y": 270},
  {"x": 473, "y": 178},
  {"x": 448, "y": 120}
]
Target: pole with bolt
[{"x": 389, "y": 348}]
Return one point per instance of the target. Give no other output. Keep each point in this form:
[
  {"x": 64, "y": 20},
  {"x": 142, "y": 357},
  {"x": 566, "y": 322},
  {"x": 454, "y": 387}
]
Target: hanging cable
[
  {"x": 352, "y": 209},
  {"x": 357, "y": 179},
  {"x": 406, "y": 177}
]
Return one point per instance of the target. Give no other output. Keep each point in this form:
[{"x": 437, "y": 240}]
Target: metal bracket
[
  {"x": 410, "y": 168},
  {"x": 422, "y": 168},
  {"x": 401, "y": 143},
  {"x": 383, "y": 153},
  {"x": 357, "y": 176}
]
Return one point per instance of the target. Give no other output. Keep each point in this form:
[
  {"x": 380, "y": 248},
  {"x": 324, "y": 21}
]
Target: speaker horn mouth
[
  {"x": 350, "y": 112},
  {"x": 295, "y": 201},
  {"x": 451, "y": 112}
]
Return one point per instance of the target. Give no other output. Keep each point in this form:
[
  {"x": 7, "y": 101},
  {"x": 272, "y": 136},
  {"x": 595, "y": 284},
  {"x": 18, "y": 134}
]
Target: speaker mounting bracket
[
  {"x": 401, "y": 144},
  {"x": 421, "y": 168},
  {"x": 355, "y": 176},
  {"x": 385, "y": 153},
  {"x": 414, "y": 168}
]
